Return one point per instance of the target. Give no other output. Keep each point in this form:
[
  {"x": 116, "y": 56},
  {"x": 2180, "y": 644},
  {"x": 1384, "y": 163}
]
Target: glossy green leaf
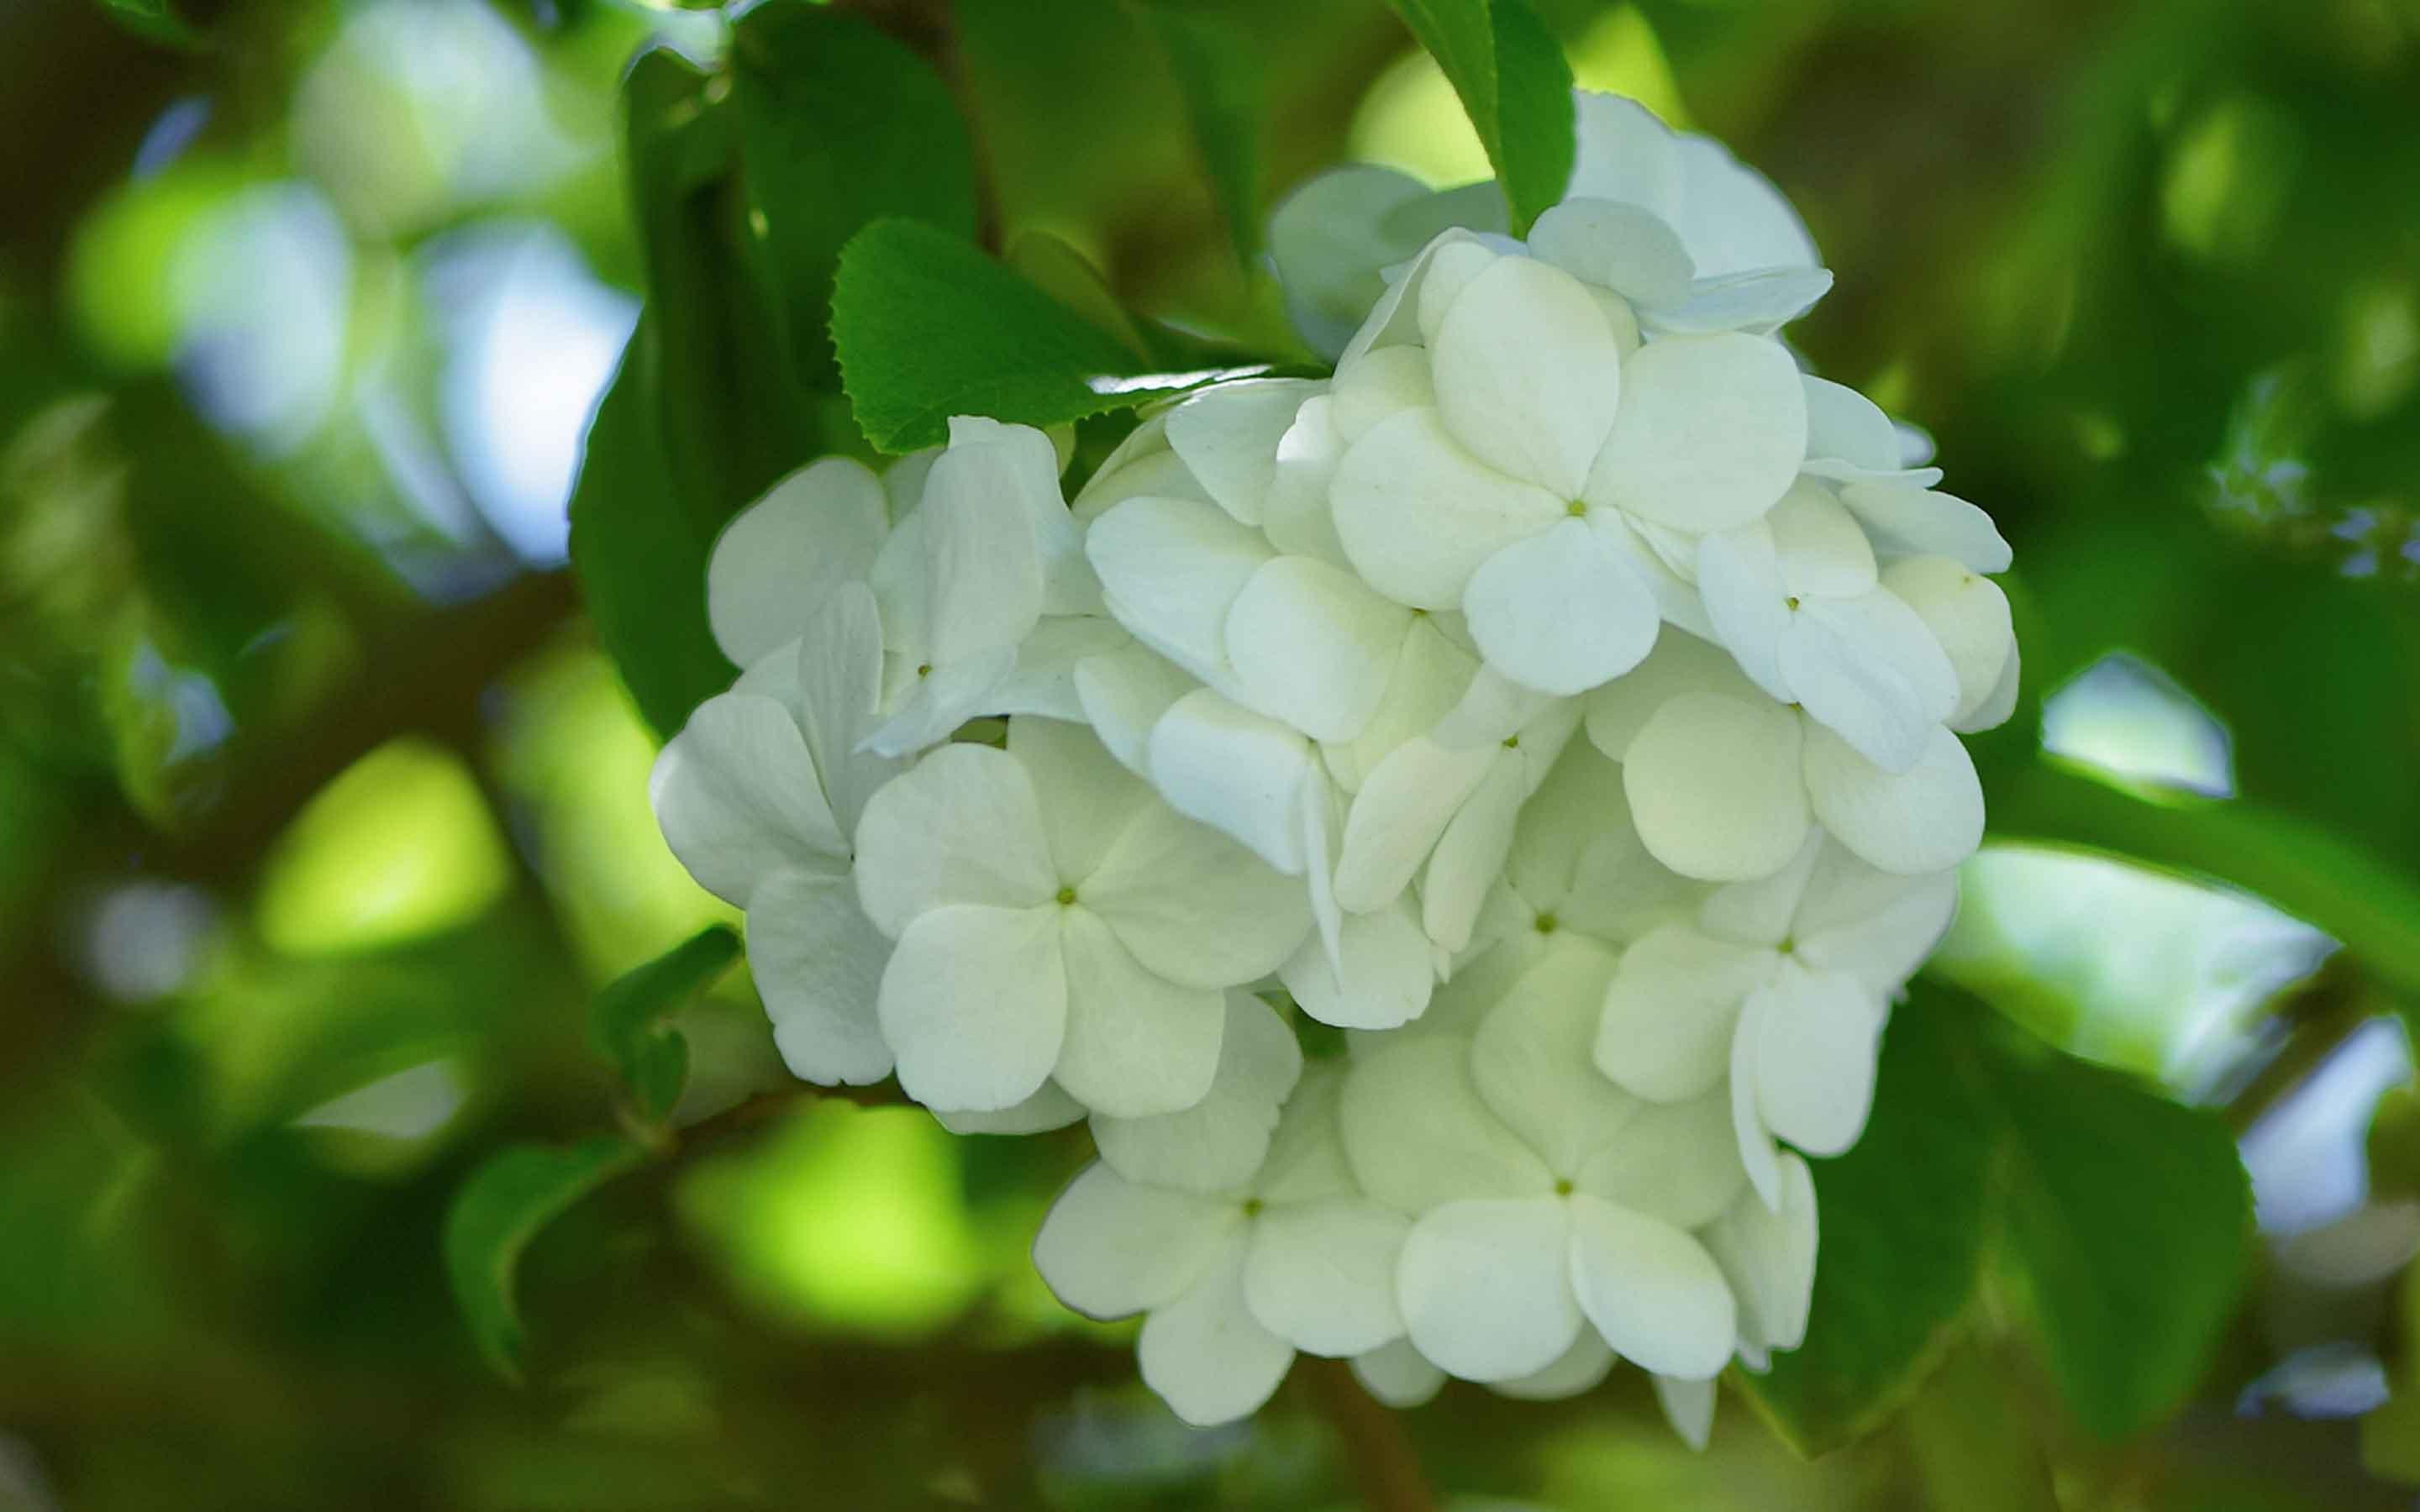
[
  {"x": 928, "y": 327},
  {"x": 838, "y": 125},
  {"x": 517, "y": 1192},
  {"x": 1515, "y": 85},
  {"x": 625, "y": 1023},
  {"x": 2128, "y": 1216},
  {"x": 1904, "y": 1221},
  {"x": 1218, "y": 69}
]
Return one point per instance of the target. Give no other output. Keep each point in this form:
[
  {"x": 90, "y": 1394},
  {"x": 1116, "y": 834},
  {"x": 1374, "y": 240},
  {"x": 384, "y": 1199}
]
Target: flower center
[
  {"x": 1564, "y": 1187},
  {"x": 1791, "y": 602},
  {"x": 1066, "y": 896},
  {"x": 1252, "y": 1207},
  {"x": 925, "y": 668},
  {"x": 1546, "y": 923},
  {"x": 1512, "y": 742},
  {"x": 1577, "y": 509}
]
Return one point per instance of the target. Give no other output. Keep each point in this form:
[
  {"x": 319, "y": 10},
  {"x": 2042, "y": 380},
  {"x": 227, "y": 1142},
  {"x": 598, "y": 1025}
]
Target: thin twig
[{"x": 1376, "y": 1446}]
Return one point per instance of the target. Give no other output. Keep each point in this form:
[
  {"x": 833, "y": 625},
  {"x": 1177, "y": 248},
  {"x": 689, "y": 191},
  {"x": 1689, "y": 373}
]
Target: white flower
[
  {"x": 782, "y": 556},
  {"x": 1520, "y": 495},
  {"x": 1546, "y": 1198},
  {"x": 967, "y": 575},
  {"x": 1782, "y": 985},
  {"x": 757, "y": 797},
  {"x": 1724, "y": 782},
  {"x": 1054, "y": 920},
  {"x": 1234, "y": 1280}
]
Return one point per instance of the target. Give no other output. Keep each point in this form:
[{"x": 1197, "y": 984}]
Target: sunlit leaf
[
  {"x": 928, "y": 327},
  {"x": 625, "y": 1025},
  {"x": 498, "y": 1211},
  {"x": 1514, "y": 84}
]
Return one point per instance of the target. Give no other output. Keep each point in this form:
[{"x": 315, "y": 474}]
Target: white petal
[
  {"x": 779, "y": 558},
  {"x": 1085, "y": 799},
  {"x": 1193, "y": 905},
  {"x": 1205, "y": 1354},
  {"x": 1689, "y": 1407},
  {"x": 1305, "y": 1161},
  {"x": 1418, "y": 513},
  {"x": 1528, "y": 373},
  {"x": 1714, "y": 787},
  {"x": 1418, "y": 1135},
  {"x": 1764, "y": 912},
  {"x": 1529, "y": 1059},
  {"x": 1043, "y": 680},
  {"x": 1731, "y": 217},
  {"x": 1170, "y": 571},
  {"x": 1398, "y": 1375},
  {"x": 1679, "y": 664},
  {"x": 1739, "y": 574},
  {"x": 1870, "y": 669},
  {"x": 1123, "y": 693},
  {"x": 1320, "y": 1275},
  {"x": 1016, "y": 467},
  {"x": 1873, "y": 925},
  {"x": 1228, "y": 438},
  {"x": 943, "y": 697},
  {"x": 1710, "y": 433},
  {"x": 1651, "y": 1291},
  {"x": 2000, "y": 704},
  {"x": 1396, "y": 819},
  {"x": 1110, "y": 1248},
  {"x": 983, "y": 570},
  {"x": 1136, "y": 1044},
  {"x": 1469, "y": 856},
  {"x": 1562, "y": 611},
  {"x": 1757, "y": 1155},
  {"x": 1756, "y": 303},
  {"x": 1581, "y": 1368},
  {"x": 1394, "y": 320},
  {"x": 1769, "y": 1257},
  {"x": 1492, "y": 707},
  {"x": 1844, "y": 426},
  {"x": 1670, "y": 1010},
  {"x": 1453, "y": 268},
  {"x": 1327, "y": 242},
  {"x": 1823, "y": 550},
  {"x": 1432, "y": 674},
  {"x": 960, "y": 826},
  {"x": 1142, "y": 466},
  {"x": 1928, "y": 818},
  {"x": 1626, "y": 249},
  {"x": 1048, "y": 1108},
  {"x": 1311, "y": 645},
  {"x": 1387, "y": 979},
  {"x": 974, "y": 1004},
  {"x": 1818, "y": 1034},
  {"x": 1295, "y": 517},
  {"x": 1219, "y": 1143},
  {"x": 1484, "y": 1286},
  {"x": 1626, "y": 155},
  {"x": 818, "y": 962},
  {"x": 1906, "y": 522},
  {"x": 1389, "y": 380},
  {"x": 839, "y": 687},
  {"x": 1676, "y": 1163},
  {"x": 1967, "y": 614},
  {"x": 1238, "y": 772},
  {"x": 736, "y": 796}
]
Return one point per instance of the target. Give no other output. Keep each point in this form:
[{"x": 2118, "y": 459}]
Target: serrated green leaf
[
  {"x": 838, "y": 126},
  {"x": 2128, "y": 1216},
  {"x": 504, "y": 1205},
  {"x": 1218, "y": 70},
  {"x": 1514, "y": 84},
  {"x": 1904, "y": 1222},
  {"x": 928, "y": 327},
  {"x": 626, "y": 1022}
]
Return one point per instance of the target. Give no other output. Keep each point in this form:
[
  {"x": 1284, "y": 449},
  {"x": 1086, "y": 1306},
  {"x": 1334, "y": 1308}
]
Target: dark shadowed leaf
[
  {"x": 625, "y": 1023},
  {"x": 498, "y": 1211}
]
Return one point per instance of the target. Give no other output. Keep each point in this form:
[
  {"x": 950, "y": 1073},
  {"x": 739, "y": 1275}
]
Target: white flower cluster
[{"x": 1562, "y": 698}]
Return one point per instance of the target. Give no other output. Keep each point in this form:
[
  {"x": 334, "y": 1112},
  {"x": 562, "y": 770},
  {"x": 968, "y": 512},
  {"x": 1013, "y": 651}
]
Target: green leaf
[
  {"x": 640, "y": 560},
  {"x": 503, "y": 1205},
  {"x": 152, "y": 21},
  {"x": 1903, "y": 1217},
  {"x": 1515, "y": 87},
  {"x": 928, "y": 327},
  {"x": 1958, "y": 1430},
  {"x": 624, "y": 1025},
  {"x": 838, "y": 126},
  {"x": 1218, "y": 70},
  {"x": 2128, "y": 1216}
]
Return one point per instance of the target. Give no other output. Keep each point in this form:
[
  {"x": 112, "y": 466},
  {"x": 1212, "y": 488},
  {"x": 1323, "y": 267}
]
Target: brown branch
[{"x": 1375, "y": 1445}]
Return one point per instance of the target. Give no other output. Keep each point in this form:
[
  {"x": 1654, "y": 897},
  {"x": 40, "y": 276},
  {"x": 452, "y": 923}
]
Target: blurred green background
[{"x": 321, "y": 816}]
